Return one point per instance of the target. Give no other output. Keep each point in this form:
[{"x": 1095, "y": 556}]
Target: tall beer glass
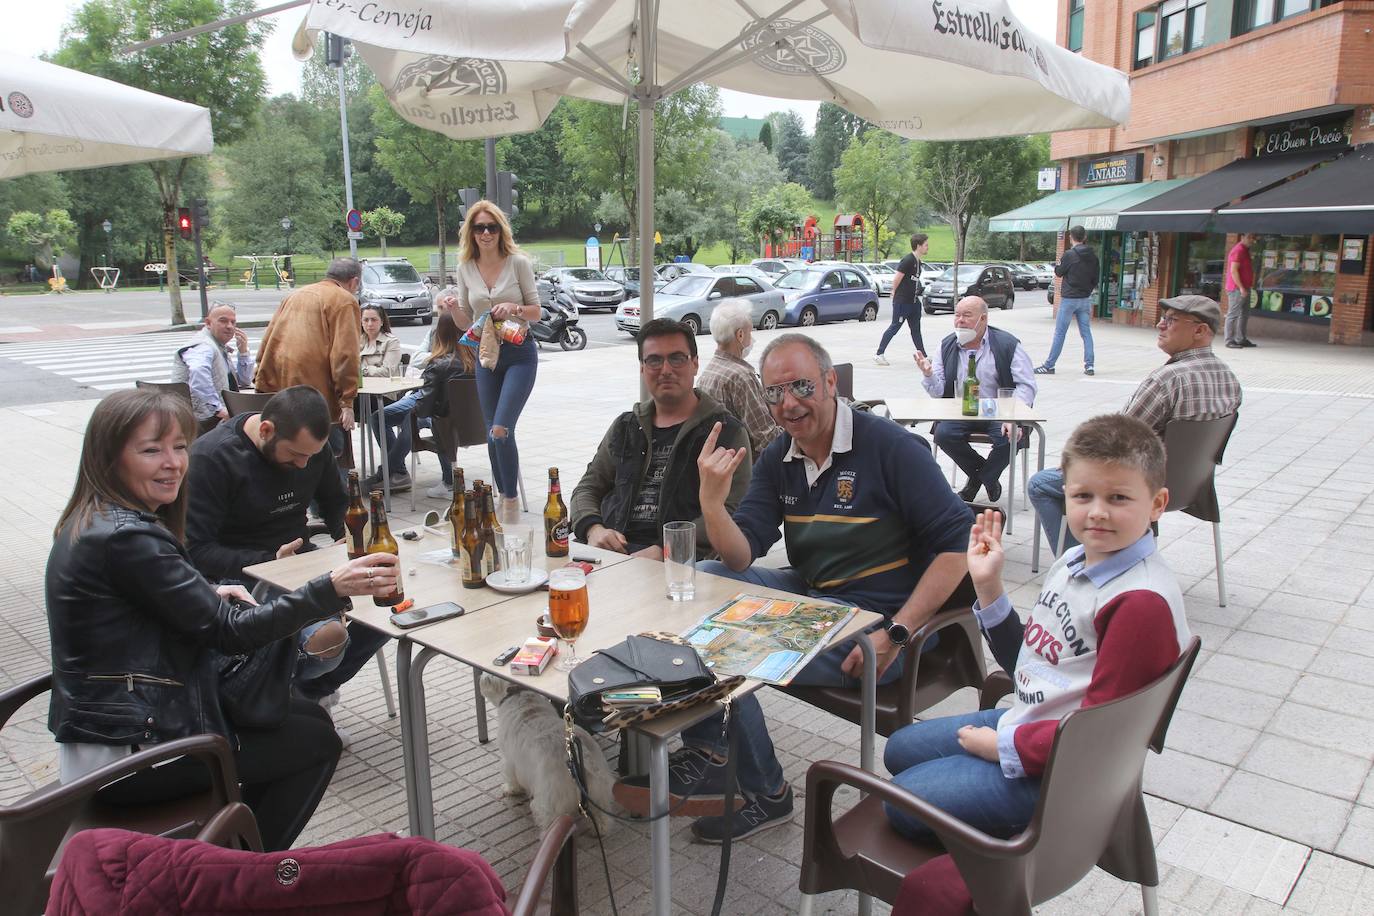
[{"x": 568, "y": 610}]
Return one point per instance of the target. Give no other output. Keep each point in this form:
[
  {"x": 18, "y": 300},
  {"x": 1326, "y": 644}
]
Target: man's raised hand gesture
[
  {"x": 923, "y": 363},
  {"x": 717, "y": 467}
]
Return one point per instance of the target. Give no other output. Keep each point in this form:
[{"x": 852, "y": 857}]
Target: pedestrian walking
[
  {"x": 906, "y": 291},
  {"x": 1080, "y": 270},
  {"x": 1240, "y": 279}
]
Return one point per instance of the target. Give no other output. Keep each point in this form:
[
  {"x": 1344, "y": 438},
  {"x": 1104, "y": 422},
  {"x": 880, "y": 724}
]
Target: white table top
[
  {"x": 922, "y": 409},
  {"x": 388, "y": 386}
]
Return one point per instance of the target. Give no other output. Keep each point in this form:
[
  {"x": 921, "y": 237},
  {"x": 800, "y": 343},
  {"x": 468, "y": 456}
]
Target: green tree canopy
[
  {"x": 876, "y": 179},
  {"x": 741, "y": 171},
  {"x": 966, "y": 178},
  {"x": 774, "y": 212},
  {"x": 42, "y": 232},
  {"x": 790, "y": 144},
  {"x": 384, "y": 223},
  {"x": 835, "y": 128},
  {"x": 276, "y": 172}
]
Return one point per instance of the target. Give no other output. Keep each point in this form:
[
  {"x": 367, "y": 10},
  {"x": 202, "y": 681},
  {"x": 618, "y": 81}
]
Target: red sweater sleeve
[{"x": 1136, "y": 643}]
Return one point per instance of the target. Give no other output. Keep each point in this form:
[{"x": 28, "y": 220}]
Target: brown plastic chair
[
  {"x": 35, "y": 828},
  {"x": 844, "y": 380},
  {"x": 1091, "y": 812},
  {"x": 464, "y": 427},
  {"x": 237, "y": 402},
  {"x": 180, "y": 388},
  {"x": 927, "y": 677}
]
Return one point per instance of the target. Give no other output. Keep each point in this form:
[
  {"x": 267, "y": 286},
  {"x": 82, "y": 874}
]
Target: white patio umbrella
[
  {"x": 951, "y": 69},
  {"x": 55, "y": 119}
]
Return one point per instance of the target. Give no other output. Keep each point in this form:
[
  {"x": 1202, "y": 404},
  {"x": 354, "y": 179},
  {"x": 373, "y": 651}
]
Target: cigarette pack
[{"x": 534, "y": 656}]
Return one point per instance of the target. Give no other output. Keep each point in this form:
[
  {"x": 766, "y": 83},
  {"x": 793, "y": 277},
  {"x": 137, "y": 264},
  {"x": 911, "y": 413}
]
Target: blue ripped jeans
[{"x": 503, "y": 392}]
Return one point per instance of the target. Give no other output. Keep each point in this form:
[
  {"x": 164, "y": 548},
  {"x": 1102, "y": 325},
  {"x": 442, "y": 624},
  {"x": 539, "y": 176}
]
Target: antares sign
[
  {"x": 1303, "y": 136},
  {"x": 1119, "y": 169}
]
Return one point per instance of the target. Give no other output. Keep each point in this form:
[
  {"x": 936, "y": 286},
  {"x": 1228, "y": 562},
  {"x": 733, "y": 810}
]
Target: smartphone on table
[{"x": 432, "y": 614}]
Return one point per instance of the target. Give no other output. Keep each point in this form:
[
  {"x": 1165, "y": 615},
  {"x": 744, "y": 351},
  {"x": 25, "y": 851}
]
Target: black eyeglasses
[
  {"x": 488, "y": 228},
  {"x": 801, "y": 388},
  {"x": 676, "y": 360}
]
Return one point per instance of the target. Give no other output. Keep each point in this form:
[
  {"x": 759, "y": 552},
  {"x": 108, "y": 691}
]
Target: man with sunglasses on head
[
  {"x": 644, "y": 472},
  {"x": 868, "y": 521},
  {"x": 1192, "y": 385}
]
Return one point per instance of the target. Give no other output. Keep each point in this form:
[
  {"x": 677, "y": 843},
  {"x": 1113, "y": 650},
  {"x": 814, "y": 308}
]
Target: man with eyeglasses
[
  {"x": 1192, "y": 385},
  {"x": 644, "y": 472},
  {"x": 868, "y": 521}
]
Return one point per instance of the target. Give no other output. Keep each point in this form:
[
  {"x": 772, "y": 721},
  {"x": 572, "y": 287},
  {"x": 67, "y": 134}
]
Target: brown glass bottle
[
  {"x": 491, "y": 518},
  {"x": 383, "y": 542},
  {"x": 473, "y": 548},
  {"x": 455, "y": 515},
  {"x": 491, "y": 557},
  {"x": 355, "y": 518},
  {"x": 555, "y": 519}
]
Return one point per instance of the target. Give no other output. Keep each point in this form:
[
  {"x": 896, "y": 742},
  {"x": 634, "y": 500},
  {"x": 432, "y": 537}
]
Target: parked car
[
  {"x": 819, "y": 294},
  {"x": 627, "y": 277},
  {"x": 586, "y": 288},
  {"x": 883, "y": 275},
  {"x": 990, "y": 281},
  {"x": 748, "y": 270},
  {"x": 1023, "y": 276},
  {"x": 864, "y": 269},
  {"x": 666, "y": 273},
  {"x": 693, "y": 297},
  {"x": 396, "y": 286},
  {"x": 1044, "y": 274},
  {"x": 773, "y": 267}
]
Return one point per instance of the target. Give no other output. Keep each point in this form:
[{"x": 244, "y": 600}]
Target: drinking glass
[
  {"x": 568, "y": 609},
  {"x": 1006, "y": 400},
  {"x": 516, "y": 554},
  {"x": 680, "y": 560}
]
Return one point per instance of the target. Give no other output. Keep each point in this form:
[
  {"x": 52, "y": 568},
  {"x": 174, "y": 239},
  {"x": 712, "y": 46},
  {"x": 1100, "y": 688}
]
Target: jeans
[
  {"x": 1046, "y": 491},
  {"x": 1237, "y": 313},
  {"x": 503, "y": 392},
  {"x": 758, "y": 769},
  {"x": 910, "y": 312},
  {"x": 309, "y": 667},
  {"x": 396, "y": 415},
  {"x": 952, "y": 438},
  {"x": 925, "y": 759},
  {"x": 314, "y": 683},
  {"x": 1081, "y": 309}
]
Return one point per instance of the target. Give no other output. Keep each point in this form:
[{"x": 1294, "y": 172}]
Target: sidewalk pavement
[{"x": 1263, "y": 801}]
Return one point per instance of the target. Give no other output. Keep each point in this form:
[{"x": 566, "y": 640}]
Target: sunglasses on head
[
  {"x": 801, "y": 389},
  {"x": 676, "y": 360},
  {"x": 485, "y": 228}
]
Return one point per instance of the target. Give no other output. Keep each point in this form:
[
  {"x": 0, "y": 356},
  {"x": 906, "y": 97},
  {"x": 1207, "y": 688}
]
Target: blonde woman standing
[{"x": 496, "y": 280}]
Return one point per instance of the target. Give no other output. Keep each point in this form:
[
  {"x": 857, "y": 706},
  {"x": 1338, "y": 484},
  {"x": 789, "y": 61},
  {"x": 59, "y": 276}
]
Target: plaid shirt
[
  {"x": 732, "y": 382},
  {"x": 1192, "y": 385}
]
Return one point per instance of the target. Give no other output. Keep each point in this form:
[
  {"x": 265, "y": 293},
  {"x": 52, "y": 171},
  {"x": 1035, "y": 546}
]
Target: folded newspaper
[{"x": 766, "y": 639}]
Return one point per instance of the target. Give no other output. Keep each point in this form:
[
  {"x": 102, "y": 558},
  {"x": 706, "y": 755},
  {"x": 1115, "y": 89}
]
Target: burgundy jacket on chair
[{"x": 115, "y": 871}]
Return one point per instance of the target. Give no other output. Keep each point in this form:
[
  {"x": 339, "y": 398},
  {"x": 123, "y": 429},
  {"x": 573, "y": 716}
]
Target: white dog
[{"x": 535, "y": 758}]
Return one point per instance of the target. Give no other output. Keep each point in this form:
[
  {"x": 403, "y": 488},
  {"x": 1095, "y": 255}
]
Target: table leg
[
  {"x": 364, "y": 443},
  {"x": 1011, "y": 478},
  {"x": 480, "y": 705},
  {"x": 386, "y": 471},
  {"x": 415, "y": 737},
  {"x": 403, "y": 651},
  {"x": 1035, "y": 534},
  {"x": 660, "y": 849},
  {"x": 868, "y": 711}
]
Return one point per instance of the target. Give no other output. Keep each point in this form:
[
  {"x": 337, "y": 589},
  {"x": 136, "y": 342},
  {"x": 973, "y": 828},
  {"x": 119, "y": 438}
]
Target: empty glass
[
  {"x": 515, "y": 553},
  {"x": 1006, "y": 400},
  {"x": 680, "y": 560}
]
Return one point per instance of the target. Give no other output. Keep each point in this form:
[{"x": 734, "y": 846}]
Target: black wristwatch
[{"x": 898, "y": 634}]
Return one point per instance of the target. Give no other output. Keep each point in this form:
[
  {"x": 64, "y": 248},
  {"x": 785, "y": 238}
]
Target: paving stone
[
  {"x": 1226, "y": 668},
  {"x": 1212, "y": 739},
  {"x": 1239, "y": 857},
  {"x": 1308, "y": 817},
  {"x": 1243, "y": 707},
  {"x": 1183, "y": 778},
  {"x": 1357, "y": 842},
  {"x": 1301, "y": 764}
]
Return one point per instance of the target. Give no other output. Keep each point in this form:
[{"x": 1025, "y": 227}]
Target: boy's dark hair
[
  {"x": 296, "y": 408},
  {"x": 666, "y": 327},
  {"x": 918, "y": 240},
  {"x": 1078, "y": 233},
  {"x": 1115, "y": 438}
]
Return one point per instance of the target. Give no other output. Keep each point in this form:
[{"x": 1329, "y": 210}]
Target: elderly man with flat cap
[{"x": 1193, "y": 384}]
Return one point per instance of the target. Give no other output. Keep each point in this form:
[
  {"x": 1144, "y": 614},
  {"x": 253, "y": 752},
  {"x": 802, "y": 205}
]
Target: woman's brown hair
[
  {"x": 112, "y": 423},
  {"x": 381, "y": 313},
  {"x": 485, "y": 211},
  {"x": 445, "y": 343}
]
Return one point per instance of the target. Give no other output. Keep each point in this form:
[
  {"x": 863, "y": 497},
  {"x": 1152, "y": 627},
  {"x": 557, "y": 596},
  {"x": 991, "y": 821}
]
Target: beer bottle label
[
  {"x": 560, "y": 532},
  {"x": 488, "y": 560}
]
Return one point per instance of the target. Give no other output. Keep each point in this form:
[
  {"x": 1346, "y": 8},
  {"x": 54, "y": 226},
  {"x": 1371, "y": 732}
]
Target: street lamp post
[
  {"x": 109, "y": 249},
  {"x": 286, "y": 227}
]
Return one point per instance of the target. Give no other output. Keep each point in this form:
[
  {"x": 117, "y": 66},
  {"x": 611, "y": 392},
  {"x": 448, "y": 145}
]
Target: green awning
[
  {"x": 1102, "y": 217},
  {"x": 1051, "y": 212}
]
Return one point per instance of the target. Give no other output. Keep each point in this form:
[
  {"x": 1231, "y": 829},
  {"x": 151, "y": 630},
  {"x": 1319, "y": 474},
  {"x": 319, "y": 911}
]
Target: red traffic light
[{"x": 184, "y": 221}]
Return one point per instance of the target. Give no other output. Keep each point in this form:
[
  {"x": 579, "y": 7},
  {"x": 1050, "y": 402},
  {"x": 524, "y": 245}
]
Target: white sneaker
[
  {"x": 329, "y": 700},
  {"x": 439, "y": 491},
  {"x": 881, "y": 360},
  {"x": 344, "y": 737}
]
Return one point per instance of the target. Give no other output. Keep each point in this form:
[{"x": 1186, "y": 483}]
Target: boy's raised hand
[{"x": 985, "y": 555}]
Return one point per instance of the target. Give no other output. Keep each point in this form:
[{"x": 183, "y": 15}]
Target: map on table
[{"x": 766, "y": 639}]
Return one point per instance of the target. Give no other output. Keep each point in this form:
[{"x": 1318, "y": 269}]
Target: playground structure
[
  {"x": 806, "y": 241},
  {"x": 281, "y": 271},
  {"x": 107, "y": 278}
]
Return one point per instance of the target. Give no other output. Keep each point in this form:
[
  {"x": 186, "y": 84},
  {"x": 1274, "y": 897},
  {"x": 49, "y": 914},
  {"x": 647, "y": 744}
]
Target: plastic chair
[
  {"x": 34, "y": 829},
  {"x": 237, "y": 402},
  {"x": 464, "y": 427},
  {"x": 179, "y": 388},
  {"x": 1091, "y": 812}
]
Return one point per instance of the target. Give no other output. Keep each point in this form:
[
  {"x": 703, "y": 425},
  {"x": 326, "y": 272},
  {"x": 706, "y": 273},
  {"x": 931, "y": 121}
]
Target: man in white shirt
[{"x": 208, "y": 367}]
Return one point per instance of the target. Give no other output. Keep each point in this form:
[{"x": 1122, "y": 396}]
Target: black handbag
[
  {"x": 674, "y": 668},
  {"x": 255, "y": 687}
]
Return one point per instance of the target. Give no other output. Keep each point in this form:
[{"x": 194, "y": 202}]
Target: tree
[
  {"x": 766, "y": 136},
  {"x": 790, "y": 144},
  {"x": 551, "y": 197},
  {"x": 277, "y": 172},
  {"x": 741, "y": 172},
  {"x": 774, "y": 212},
  {"x": 835, "y": 128},
  {"x": 219, "y": 70},
  {"x": 125, "y": 195},
  {"x": 428, "y": 165},
  {"x": 42, "y": 191},
  {"x": 875, "y": 179},
  {"x": 966, "y": 178},
  {"x": 384, "y": 223},
  {"x": 320, "y": 82},
  {"x": 42, "y": 233}
]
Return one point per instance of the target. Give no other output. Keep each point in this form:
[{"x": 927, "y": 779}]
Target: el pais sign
[
  {"x": 1303, "y": 135},
  {"x": 1121, "y": 168}
]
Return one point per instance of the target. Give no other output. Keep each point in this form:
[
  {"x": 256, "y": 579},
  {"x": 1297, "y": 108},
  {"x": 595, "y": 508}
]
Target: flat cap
[{"x": 1200, "y": 307}]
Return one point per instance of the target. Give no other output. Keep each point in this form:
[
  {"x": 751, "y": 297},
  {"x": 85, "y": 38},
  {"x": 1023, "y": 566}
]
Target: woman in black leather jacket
[{"x": 132, "y": 624}]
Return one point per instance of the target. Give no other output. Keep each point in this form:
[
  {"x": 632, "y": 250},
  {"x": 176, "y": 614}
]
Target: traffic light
[
  {"x": 336, "y": 50},
  {"x": 506, "y": 194},
  {"x": 200, "y": 210},
  {"x": 467, "y": 197},
  {"x": 184, "y": 222}
]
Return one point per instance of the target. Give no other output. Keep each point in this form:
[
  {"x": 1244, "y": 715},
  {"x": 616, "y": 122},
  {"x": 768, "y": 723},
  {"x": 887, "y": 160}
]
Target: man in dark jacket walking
[
  {"x": 644, "y": 472},
  {"x": 1079, "y": 269}
]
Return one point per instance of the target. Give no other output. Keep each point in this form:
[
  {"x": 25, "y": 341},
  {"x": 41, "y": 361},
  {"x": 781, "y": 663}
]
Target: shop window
[
  {"x": 1202, "y": 264},
  {"x": 1075, "y": 25},
  {"x": 1144, "y": 39},
  {"x": 1295, "y": 276}
]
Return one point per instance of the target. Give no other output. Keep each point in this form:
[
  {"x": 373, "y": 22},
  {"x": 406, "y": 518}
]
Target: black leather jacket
[{"x": 131, "y": 624}]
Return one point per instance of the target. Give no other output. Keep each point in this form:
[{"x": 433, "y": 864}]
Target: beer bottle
[
  {"x": 491, "y": 518},
  {"x": 383, "y": 542},
  {"x": 970, "y": 405},
  {"x": 355, "y": 518},
  {"x": 455, "y": 515},
  {"x": 555, "y": 519},
  {"x": 472, "y": 545},
  {"x": 491, "y": 560}
]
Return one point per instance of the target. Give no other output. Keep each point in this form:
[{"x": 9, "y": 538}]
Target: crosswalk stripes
[{"x": 106, "y": 363}]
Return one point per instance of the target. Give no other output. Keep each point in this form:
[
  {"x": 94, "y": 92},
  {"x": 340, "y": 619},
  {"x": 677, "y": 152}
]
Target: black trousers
[{"x": 284, "y": 773}]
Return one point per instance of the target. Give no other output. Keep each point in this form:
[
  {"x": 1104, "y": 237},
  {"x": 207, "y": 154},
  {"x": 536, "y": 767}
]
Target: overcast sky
[{"x": 34, "y": 28}]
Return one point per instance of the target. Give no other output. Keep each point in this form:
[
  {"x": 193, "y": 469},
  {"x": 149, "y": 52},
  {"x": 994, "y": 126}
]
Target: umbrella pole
[{"x": 646, "y": 94}]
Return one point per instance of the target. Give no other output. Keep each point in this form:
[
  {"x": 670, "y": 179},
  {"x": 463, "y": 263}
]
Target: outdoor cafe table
[
  {"x": 627, "y": 595},
  {"x": 910, "y": 411},
  {"x": 370, "y": 394}
]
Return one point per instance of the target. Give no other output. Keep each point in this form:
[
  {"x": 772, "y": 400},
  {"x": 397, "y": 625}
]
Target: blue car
[{"x": 816, "y": 294}]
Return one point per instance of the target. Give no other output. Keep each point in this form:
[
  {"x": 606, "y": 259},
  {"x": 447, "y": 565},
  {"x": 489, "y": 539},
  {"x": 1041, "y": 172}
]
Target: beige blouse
[
  {"x": 381, "y": 359},
  {"x": 515, "y": 284}
]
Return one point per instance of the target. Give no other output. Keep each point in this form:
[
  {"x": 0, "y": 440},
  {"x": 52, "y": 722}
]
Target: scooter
[{"x": 558, "y": 324}]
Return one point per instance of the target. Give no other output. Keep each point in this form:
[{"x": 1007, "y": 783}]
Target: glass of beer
[{"x": 568, "y": 610}]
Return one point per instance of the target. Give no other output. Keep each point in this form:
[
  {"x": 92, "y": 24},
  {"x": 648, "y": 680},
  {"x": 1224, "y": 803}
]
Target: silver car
[
  {"x": 748, "y": 270},
  {"x": 396, "y": 286},
  {"x": 692, "y": 298},
  {"x": 586, "y": 288}
]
